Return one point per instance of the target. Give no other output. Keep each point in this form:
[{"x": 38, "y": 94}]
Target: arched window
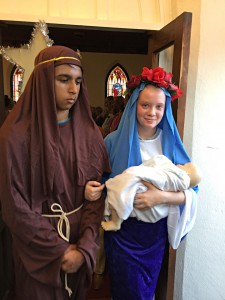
[
  {"x": 116, "y": 81},
  {"x": 17, "y": 81}
]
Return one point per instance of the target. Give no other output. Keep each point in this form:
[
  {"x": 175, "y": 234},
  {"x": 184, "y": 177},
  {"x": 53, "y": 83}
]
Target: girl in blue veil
[{"x": 135, "y": 252}]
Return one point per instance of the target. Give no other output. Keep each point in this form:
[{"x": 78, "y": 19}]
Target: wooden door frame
[
  {"x": 178, "y": 34},
  {"x": 180, "y": 39}
]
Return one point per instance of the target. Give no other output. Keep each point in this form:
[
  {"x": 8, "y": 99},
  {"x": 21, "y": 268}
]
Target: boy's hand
[
  {"x": 93, "y": 190},
  {"x": 72, "y": 260}
]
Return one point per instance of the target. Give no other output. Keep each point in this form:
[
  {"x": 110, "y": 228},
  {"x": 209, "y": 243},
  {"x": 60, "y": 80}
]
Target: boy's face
[
  {"x": 68, "y": 80},
  {"x": 150, "y": 110}
]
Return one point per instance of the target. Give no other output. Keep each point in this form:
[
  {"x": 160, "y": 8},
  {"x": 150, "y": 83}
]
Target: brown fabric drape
[{"x": 32, "y": 169}]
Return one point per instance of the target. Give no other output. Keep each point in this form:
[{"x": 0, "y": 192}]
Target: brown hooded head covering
[{"x": 34, "y": 117}]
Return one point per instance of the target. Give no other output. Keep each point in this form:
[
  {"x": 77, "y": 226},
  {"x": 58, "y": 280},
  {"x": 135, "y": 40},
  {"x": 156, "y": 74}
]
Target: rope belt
[{"x": 56, "y": 208}]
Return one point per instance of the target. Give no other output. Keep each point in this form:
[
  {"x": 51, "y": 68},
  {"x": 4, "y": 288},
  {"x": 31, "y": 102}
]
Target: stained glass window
[
  {"x": 116, "y": 81},
  {"x": 17, "y": 80}
]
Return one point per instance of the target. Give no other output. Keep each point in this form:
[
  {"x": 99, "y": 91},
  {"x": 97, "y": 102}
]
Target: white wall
[{"x": 200, "y": 267}]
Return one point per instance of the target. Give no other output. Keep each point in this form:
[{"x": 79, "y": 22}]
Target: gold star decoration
[{"x": 24, "y": 56}]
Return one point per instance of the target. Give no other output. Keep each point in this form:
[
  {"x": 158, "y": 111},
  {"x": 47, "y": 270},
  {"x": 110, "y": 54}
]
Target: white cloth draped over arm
[
  {"x": 180, "y": 223},
  {"x": 122, "y": 189}
]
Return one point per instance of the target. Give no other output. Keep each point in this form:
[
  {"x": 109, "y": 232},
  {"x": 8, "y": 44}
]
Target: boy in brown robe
[{"x": 49, "y": 148}]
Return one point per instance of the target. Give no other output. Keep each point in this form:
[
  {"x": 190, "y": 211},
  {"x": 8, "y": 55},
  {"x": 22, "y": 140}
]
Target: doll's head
[{"x": 193, "y": 172}]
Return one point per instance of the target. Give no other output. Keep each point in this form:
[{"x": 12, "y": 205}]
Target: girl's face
[
  {"x": 68, "y": 79},
  {"x": 150, "y": 110}
]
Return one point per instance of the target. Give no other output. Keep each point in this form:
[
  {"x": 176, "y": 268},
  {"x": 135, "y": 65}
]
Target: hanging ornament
[{"x": 24, "y": 56}]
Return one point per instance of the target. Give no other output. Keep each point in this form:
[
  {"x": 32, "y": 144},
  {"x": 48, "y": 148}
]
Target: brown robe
[
  {"x": 6, "y": 262},
  {"x": 42, "y": 163}
]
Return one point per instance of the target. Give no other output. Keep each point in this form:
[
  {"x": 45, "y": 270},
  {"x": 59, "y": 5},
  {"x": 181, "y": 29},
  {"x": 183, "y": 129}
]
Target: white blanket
[{"x": 162, "y": 173}]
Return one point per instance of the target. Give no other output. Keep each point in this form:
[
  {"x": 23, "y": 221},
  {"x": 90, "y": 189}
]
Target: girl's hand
[
  {"x": 154, "y": 196},
  {"x": 93, "y": 190},
  {"x": 148, "y": 199}
]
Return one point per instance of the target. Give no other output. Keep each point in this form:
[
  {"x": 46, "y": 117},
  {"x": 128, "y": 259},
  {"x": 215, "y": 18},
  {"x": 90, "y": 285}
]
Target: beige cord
[{"x": 56, "y": 208}]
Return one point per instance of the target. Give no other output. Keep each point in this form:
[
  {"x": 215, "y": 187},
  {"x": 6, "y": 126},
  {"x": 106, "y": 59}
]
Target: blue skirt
[{"x": 134, "y": 258}]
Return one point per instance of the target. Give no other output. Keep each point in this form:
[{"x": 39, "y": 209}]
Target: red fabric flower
[
  {"x": 163, "y": 84},
  {"x": 134, "y": 82},
  {"x": 157, "y": 77},
  {"x": 147, "y": 74},
  {"x": 168, "y": 77},
  {"x": 173, "y": 87},
  {"x": 174, "y": 91}
]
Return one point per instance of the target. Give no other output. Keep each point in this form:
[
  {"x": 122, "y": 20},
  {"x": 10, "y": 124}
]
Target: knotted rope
[{"x": 56, "y": 208}]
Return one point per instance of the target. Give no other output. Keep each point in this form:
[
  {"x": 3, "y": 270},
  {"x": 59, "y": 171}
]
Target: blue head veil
[{"x": 123, "y": 144}]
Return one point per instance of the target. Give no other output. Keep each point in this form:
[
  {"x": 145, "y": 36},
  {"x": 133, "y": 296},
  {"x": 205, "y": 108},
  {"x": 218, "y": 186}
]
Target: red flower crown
[{"x": 157, "y": 77}]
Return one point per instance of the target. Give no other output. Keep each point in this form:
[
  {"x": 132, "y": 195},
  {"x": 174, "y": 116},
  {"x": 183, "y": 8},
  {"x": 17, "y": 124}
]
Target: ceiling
[{"x": 86, "y": 39}]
